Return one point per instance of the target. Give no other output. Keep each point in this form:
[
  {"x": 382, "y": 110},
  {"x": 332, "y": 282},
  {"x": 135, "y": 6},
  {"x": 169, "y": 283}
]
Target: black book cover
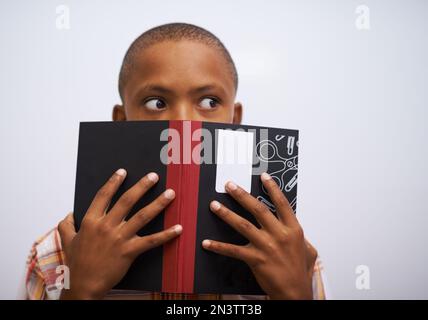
[{"x": 208, "y": 155}]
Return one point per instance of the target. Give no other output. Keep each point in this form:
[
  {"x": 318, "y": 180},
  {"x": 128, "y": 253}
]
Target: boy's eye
[
  {"x": 208, "y": 103},
  {"x": 155, "y": 104}
]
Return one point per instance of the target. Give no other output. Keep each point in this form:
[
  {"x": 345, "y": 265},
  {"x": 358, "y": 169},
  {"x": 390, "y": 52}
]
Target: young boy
[{"x": 173, "y": 72}]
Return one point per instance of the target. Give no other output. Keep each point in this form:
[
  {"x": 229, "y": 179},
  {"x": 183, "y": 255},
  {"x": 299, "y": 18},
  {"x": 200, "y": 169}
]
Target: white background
[{"x": 358, "y": 97}]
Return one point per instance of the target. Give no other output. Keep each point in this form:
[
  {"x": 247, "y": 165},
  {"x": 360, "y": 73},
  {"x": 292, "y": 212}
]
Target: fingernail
[
  {"x": 215, "y": 205},
  {"x": 153, "y": 177},
  {"x": 206, "y": 243},
  {"x": 177, "y": 228},
  {"x": 121, "y": 172},
  {"x": 265, "y": 176},
  {"x": 231, "y": 186},
  {"x": 169, "y": 194}
]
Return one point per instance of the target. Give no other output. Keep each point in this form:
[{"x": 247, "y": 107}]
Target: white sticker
[{"x": 234, "y": 159}]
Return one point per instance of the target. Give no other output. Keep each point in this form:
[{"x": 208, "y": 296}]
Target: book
[{"x": 195, "y": 159}]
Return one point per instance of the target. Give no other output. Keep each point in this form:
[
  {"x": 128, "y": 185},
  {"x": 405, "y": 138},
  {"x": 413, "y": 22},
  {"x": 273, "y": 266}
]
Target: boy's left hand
[{"x": 280, "y": 258}]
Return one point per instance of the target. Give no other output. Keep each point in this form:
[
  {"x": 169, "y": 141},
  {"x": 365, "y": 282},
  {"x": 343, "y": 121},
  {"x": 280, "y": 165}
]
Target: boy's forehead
[{"x": 180, "y": 64}]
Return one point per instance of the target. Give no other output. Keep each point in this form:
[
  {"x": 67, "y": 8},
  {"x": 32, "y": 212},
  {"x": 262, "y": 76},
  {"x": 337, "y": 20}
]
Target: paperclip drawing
[
  {"x": 279, "y": 167},
  {"x": 290, "y": 145}
]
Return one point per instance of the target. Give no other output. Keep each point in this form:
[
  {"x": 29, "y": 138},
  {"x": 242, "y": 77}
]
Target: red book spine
[{"x": 179, "y": 254}]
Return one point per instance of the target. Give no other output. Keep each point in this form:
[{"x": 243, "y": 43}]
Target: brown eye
[
  {"x": 155, "y": 104},
  {"x": 208, "y": 103}
]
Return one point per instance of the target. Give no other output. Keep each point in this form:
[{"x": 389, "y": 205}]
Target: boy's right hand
[{"x": 100, "y": 254}]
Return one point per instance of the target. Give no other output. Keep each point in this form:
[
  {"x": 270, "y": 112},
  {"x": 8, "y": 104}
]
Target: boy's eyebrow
[
  {"x": 207, "y": 87},
  {"x": 197, "y": 90},
  {"x": 157, "y": 88}
]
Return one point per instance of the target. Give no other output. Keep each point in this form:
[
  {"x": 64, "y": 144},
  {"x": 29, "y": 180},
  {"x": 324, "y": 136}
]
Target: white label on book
[{"x": 234, "y": 159}]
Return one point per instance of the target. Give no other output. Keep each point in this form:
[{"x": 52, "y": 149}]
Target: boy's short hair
[{"x": 172, "y": 32}]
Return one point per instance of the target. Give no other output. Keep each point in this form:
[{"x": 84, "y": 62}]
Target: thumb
[{"x": 66, "y": 230}]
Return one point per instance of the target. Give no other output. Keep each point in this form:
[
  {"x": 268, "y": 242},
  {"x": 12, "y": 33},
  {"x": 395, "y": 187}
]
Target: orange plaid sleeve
[
  {"x": 318, "y": 281},
  {"x": 45, "y": 257}
]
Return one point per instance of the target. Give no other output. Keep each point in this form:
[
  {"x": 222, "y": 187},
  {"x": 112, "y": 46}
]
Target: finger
[
  {"x": 143, "y": 244},
  {"x": 145, "y": 215},
  {"x": 254, "y": 206},
  {"x": 243, "y": 226},
  {"x": 125, "y": 203},
  {"x": 230, "y": 250},
  {"x": 103, "y": 197},
  {"x": 67, "y": 230},
  {"x": 285, "y": 212}
]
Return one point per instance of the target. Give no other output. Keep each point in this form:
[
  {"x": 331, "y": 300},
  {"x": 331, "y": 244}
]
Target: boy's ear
[
  {"x": 118, "y": 113},
  {"x": 237, "y": 113}
]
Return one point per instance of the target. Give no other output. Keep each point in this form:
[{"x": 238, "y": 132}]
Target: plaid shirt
[{"x": 46, "y": 255}]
